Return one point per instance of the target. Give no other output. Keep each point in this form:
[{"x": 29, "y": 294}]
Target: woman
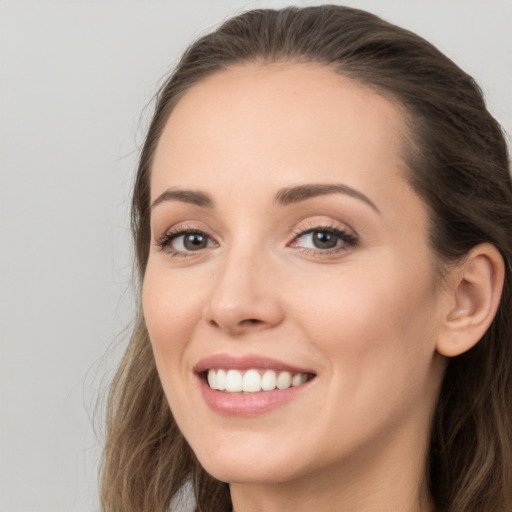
[{"x": 322, "y": 219}]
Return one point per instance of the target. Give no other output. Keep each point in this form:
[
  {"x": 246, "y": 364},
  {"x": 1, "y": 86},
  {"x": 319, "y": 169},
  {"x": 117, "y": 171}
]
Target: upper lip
[{"x": 247, "y": 362}]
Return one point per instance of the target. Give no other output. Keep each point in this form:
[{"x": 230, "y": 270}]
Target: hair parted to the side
[{"x": 459, "y": 165}]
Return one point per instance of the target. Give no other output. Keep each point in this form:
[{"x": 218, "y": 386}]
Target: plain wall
[{"x": 75, "y": 77}]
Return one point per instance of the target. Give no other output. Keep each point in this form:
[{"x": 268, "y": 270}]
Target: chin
[
  {"x": 247, "y": 464},
  {"x": 246, "y": 472}
]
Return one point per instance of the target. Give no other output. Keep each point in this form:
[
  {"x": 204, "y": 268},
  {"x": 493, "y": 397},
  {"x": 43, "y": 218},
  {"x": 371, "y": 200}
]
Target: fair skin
[{"x": 337, "y": 285}]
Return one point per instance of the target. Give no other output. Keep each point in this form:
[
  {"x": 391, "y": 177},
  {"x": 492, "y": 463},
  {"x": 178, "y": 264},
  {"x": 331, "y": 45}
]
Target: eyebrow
[
  {"x": 284, "y": 196},
  {"x": 299, "y": 193},
  {"x": 185, "y": 196}
]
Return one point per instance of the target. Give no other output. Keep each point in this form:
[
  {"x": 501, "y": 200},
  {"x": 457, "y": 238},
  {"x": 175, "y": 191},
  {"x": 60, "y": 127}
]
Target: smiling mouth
[{"x": 253, "y": 380}]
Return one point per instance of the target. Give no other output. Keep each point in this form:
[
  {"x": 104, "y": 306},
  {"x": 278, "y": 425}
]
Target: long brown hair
[{"x": 458, "y": 164}]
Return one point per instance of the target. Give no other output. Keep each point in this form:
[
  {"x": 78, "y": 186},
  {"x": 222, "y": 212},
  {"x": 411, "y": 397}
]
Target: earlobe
[{"x": 475, "y": 291}]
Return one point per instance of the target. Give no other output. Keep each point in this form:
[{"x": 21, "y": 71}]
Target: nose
[{"x": 245, "y": 296}]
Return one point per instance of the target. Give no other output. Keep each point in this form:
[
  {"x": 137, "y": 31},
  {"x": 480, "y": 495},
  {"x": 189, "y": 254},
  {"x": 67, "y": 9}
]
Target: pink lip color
[
  {"x": 246, "y": 404},
  {"x": 245, "y": 363}
]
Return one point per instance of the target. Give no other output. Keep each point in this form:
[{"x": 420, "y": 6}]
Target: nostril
[
  {"x": 252, "y": 321},
  {"x": 245, "y": 325}
]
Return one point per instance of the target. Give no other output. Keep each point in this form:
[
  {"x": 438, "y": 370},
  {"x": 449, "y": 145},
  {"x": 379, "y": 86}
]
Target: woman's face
[{"x": 289, "y": 259}]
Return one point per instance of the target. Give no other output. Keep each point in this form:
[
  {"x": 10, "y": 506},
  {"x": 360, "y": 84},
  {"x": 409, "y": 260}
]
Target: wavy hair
[{"x": 459, "y": 165}]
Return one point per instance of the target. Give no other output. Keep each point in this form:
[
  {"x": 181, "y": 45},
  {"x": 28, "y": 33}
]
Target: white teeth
[
  {"x": 268, "y": 381},
  {"x": 212, "y": 379},
  {"x": 221, "y": 380},
  {"x": 284, "y": 380},
  {"x": 253, "y": 381},
  {"x": 233, "y": 381},
  {"x": 297, "y": 379}
]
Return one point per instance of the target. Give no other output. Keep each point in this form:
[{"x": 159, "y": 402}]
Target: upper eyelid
[
  {"x": 172, "y": 234},
  {"x": 184, "y": 227},
  {"x": 297, "y": 227},
  {"x": 343, "y": 234},
  {"x": 304, "y": 227}
]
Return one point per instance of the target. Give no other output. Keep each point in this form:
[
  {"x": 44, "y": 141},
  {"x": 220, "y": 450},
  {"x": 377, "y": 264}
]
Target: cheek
[
  {"x": 376, "y": 335},
  {"x": 380, "y": 321},
  {"x": 172, "y": 308}
]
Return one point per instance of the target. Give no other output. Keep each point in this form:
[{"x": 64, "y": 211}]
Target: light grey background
[{"x": 75, "y": 77}]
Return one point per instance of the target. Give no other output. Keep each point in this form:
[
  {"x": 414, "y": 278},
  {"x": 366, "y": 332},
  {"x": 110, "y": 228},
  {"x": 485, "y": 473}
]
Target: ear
[{"x": 474, "y": 289}]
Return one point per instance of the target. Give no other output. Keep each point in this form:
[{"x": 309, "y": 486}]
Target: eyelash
[
  {"x": 349, "y": 241},
  {"x": 165, "y": 242}
]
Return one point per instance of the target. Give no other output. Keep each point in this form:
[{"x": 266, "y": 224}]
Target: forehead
[{"x": 291, "y": 118}]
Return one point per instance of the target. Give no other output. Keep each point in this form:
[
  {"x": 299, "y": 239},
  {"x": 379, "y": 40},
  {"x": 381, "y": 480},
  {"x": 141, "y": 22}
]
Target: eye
[
  {"x": 324, "y": 239},
  {"x": 185, "y": 241},
  {"x": 190, "y": 242}
]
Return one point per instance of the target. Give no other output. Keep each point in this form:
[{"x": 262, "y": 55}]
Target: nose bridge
[{"x": 242, "y": 295}]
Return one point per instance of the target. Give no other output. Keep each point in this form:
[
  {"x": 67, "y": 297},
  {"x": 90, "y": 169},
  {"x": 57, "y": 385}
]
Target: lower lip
[{"x": 248, "y": 404}]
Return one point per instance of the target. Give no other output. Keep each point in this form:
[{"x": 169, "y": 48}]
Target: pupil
[
  {"x": 324, "y": 240},
  {"x": 194, "y": 241}
]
